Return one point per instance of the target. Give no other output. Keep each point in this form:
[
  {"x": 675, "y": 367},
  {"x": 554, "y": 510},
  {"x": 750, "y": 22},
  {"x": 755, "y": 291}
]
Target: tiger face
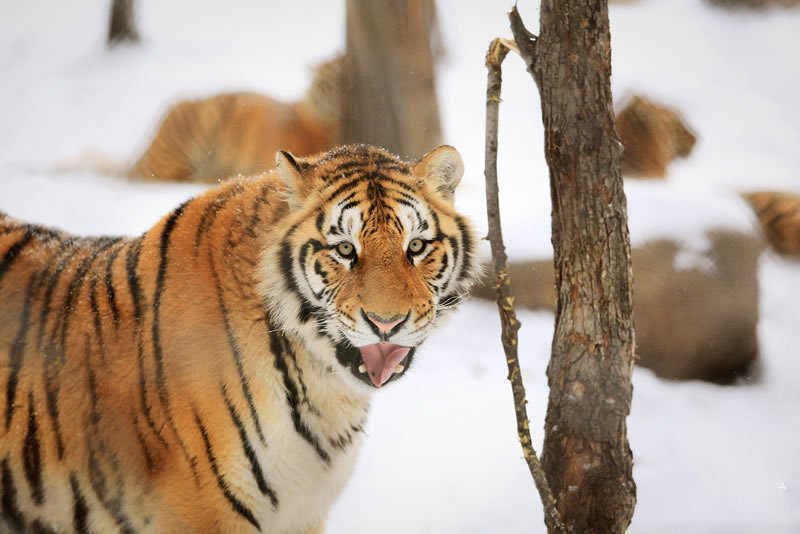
[{"x": 373, "y": 254}]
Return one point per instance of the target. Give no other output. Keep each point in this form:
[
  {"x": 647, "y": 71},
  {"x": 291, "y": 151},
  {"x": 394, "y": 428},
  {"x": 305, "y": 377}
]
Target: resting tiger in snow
[
  {"x": 211, "y": 139},
  {"x": 779, "y": 215},
  {"x": 215, "y": 373}
]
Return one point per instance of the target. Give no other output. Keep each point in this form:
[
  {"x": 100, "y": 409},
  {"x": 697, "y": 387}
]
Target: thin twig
[{"x": 505, "y": 301}]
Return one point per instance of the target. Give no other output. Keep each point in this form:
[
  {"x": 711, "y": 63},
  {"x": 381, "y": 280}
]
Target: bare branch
[
  {"x": 525, "y": 41},
  {"x": 498, "y": 49}
]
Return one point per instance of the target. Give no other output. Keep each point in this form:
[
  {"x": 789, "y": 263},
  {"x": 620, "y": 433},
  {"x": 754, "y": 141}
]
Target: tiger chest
[
  {"x": 307, "y": 461},
  {"x": 309, "y": 485}
]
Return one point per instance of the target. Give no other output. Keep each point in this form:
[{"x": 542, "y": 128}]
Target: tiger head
[{"x": 371, "y": 255}]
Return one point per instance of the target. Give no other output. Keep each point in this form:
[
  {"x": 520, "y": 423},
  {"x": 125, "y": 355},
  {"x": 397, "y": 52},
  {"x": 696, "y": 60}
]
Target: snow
[{"x": 441, "y": 454}]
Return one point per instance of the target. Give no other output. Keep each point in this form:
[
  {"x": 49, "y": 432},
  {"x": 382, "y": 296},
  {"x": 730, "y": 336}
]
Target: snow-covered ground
[{"x": 442, "y": 456}]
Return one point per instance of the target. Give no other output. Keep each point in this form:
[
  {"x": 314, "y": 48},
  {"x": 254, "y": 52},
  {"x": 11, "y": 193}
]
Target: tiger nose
[{"x": 384, "y": 323}]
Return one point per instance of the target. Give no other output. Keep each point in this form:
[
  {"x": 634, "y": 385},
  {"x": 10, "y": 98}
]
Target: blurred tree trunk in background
[
  {"x": 390, "y": 95},
  {"x": 122, "y": 23},
  {"x": 586, "y": 455}
]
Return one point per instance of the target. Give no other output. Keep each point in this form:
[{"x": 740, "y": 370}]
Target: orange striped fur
[
  {"x": 653, "y": 136},
  {"x": 779, "y": 215},
  {"x": 206, "y": 376},
  {"x": 212, "y": 139}
]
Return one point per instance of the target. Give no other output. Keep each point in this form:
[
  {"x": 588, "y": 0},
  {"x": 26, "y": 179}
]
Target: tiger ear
[
  {"x": 442, "y": 168},
  {"x": 291, "y": 173}
]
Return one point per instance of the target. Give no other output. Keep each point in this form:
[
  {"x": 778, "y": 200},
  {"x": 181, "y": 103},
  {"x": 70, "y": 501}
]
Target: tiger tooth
[
  {"x": 362, "y": 368},
  {"x": 398, "y": 369}
]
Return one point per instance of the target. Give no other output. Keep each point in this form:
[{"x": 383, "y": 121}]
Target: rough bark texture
[
  {"x": 122, "y": 24},
  {"x": 390, "y": 97},
  {"x": 586, "y": 454}
]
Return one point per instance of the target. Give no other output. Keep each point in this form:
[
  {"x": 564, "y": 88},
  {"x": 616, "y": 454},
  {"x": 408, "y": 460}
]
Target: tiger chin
[{"x": 214, "y": 374}]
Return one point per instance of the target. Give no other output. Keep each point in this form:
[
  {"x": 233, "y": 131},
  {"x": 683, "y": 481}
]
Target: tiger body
[
  {"x": 215, "y": 138},
  {"x": 209, "y": 375},
  {"x": 779, "y": 215}
]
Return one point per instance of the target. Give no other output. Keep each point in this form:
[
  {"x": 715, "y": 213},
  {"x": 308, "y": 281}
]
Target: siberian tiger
[
  {"x": 211, "y": 139},
  {"x": 779, "y": 215},
  {"x": 653, "y": 136},
  {"x": 215, "y": 373}
]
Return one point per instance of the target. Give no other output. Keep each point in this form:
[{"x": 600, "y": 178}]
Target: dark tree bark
[
  {"x": 122, "y": 23},
  {"x": 586, "y": 455},
  {"x": 390, "y": 96}
]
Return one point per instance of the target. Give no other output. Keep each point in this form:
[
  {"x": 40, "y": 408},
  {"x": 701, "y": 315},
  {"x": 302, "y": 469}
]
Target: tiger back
[
  {"x": 779, "y": 215},
  {"x": 214, "y": 374},
  {"x": 211, "y": 139}
]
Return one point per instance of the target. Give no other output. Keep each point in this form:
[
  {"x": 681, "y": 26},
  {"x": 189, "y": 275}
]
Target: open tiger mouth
[{"x": 378, "y": 363}]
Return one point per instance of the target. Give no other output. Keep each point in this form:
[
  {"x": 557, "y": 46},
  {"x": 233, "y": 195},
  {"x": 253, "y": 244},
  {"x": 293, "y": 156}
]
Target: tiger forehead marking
[{"x": 215, "y": 373}]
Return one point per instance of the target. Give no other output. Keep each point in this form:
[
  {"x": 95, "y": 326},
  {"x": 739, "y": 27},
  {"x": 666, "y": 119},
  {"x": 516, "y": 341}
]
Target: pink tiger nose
[{"x": 384, "y": 323}]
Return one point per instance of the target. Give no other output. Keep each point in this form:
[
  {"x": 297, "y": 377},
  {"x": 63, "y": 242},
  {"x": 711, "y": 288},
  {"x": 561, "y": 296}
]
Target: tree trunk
[
  {"x": 122, "y": 23},
  {"x": 390, "y": 97},
  {"x": 586, "y": 455}
]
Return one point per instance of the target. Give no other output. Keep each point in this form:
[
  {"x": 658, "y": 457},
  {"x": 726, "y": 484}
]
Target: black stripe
[
  {"x": 12, "y": 253},
  {"x": 113, "y": 506},
  {"x": 285, "y": 262},
  {"x": 249, "y": 453},
  {"x": 342, "y": 208},
  {"x": 65, "y": 260},
  {"x": 148, "y": 457},
  {"x": 255, "y": 218},
  {"x": 52, "y": 387},
  {"x": 158, "y": 353},
  {"x": 442, "y": 268},
  {"x": 287, "y": 347},
  {"x": 135, "y": 288},
  {"x": 237, "y": 355},
  {"x": 80, "y": 511},
  {"x": 32, "y": 455},
  {"x": 18, "y": 351},
  {"x": 97, "y": 318},
  {"x": 211, "y": 211},
  {"x": 320, "y": 220},
  {"x": 237, "y": 505},
  {"x": 111, "y": 294},
  {"x": 11, "y": 512},
  {"x": 466, "y": 244},
  {"x": 292, "y": 397},
  {"x": 131, "y": 264},
  {"x": 315, "y": 246},
  {"x": 75, "y": 285},
  {"x": 91, "y": 376}
]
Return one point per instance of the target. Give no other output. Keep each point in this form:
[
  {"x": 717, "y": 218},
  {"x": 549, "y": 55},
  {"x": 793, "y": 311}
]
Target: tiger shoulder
[{"x": 215, "y": 373}]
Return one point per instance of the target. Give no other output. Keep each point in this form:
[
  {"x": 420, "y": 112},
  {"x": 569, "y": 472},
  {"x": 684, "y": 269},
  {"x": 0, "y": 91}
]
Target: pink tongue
[{"x": 381, "y": 359}]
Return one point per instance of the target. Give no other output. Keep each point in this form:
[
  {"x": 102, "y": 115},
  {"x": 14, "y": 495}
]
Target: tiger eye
[
  {"x": 416, "y": 246},
  {"x": 344, "y": 248}
]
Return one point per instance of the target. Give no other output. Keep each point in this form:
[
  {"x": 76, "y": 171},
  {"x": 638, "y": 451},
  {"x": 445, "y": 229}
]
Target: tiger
[
  {"x": 214, "y": 138},
  {"x": 214, "y": 374},
  {"x": 778, "y": 212},
  {"x": 653, "y": 135}
]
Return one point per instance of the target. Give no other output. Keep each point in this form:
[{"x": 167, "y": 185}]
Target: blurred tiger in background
[
  {"x": 214, "y": 374},
  {"x": 653, "y": 136},
  {"x": 211, "y": 139},
  {"x": 779, "y": 215}
]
